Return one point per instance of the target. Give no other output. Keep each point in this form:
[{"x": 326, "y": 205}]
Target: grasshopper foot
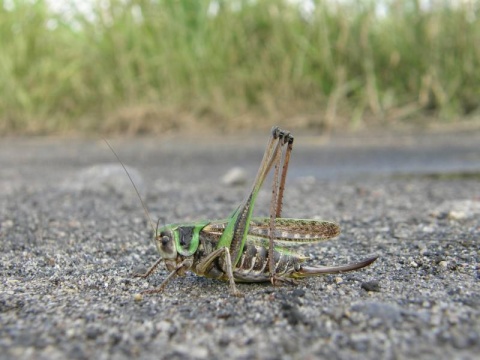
[
  {"x": 140, "y": 275},
  {"x": 236, "y": 293},
  {"x": 278, "y": 281},
  {"x": 151, "y": 291},
  {"x": 154, "y": 291}
]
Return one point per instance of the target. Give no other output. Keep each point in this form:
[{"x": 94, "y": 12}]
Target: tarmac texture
[{"x": 72, "y": 233}]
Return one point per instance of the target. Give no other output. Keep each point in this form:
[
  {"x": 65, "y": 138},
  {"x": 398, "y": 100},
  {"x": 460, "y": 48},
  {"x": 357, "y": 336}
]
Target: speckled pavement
[{"x": 72, "y": 233}]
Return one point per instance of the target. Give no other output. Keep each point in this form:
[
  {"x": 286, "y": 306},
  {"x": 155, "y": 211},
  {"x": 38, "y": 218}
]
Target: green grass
[{"x": 140, "y": 66}]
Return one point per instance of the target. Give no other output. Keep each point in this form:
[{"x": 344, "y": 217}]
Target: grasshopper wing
[
  {"x": 292, "y": 232},
  {"x": 288, "y": 232}
]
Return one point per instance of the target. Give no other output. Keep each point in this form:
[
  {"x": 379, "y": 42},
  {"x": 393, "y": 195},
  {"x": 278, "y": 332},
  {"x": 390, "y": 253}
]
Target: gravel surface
[{"x": 72, "y": 232}]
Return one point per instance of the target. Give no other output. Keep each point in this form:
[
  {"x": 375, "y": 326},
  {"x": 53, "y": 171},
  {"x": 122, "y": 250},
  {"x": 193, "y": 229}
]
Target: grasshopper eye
[
  {"x": 165, "y": 240},
  {"x": 166, "y": 245}
]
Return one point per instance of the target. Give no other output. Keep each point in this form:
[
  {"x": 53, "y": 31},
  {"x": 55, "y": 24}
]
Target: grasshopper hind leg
[
  {"x": 280, "y": 159},
  {"x": 223, "y": 254}
]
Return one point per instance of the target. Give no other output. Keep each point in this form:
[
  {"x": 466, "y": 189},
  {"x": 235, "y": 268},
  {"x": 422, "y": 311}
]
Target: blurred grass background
[{"x": 146, "y": 66}]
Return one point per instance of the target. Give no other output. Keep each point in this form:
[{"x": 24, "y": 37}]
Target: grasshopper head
[
  {"x": 177, "y": 242},
  {"x": 165, "y": 242}
]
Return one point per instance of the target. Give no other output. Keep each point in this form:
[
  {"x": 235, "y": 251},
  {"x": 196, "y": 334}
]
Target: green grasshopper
[{"x": 243, "y": 248}]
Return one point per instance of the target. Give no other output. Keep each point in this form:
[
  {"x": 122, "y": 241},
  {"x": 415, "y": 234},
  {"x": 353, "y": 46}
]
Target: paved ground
[{"x": 72, "y": 232}]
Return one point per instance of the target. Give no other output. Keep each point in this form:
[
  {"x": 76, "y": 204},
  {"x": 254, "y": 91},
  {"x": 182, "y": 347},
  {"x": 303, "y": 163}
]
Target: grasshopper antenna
[{"x": 147, "y": 214}]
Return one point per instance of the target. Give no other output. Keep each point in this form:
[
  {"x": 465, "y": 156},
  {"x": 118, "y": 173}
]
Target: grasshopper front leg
[
  {"x": 184, "y": 265},
  {"x": 149, "y": 271}
]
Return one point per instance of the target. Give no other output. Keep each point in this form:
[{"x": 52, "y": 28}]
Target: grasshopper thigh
[{"x": 205, "y": 267}]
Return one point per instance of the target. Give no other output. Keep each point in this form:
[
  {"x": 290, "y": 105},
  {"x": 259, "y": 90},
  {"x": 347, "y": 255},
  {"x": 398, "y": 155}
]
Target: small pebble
[
  {"x": 235, "y": 177},
  {"x": 298, "y": 293},
  {"x": 457, "y": 215},
  {"x": 371, "y": 286}
]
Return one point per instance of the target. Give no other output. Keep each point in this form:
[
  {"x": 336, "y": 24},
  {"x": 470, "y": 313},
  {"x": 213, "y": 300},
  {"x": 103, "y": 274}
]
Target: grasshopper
[{"x": 243, "y": 248}]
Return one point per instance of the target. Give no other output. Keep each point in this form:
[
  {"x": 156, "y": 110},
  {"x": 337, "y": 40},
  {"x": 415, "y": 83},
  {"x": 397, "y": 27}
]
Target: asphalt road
[{"x": 72, "y": 232}]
